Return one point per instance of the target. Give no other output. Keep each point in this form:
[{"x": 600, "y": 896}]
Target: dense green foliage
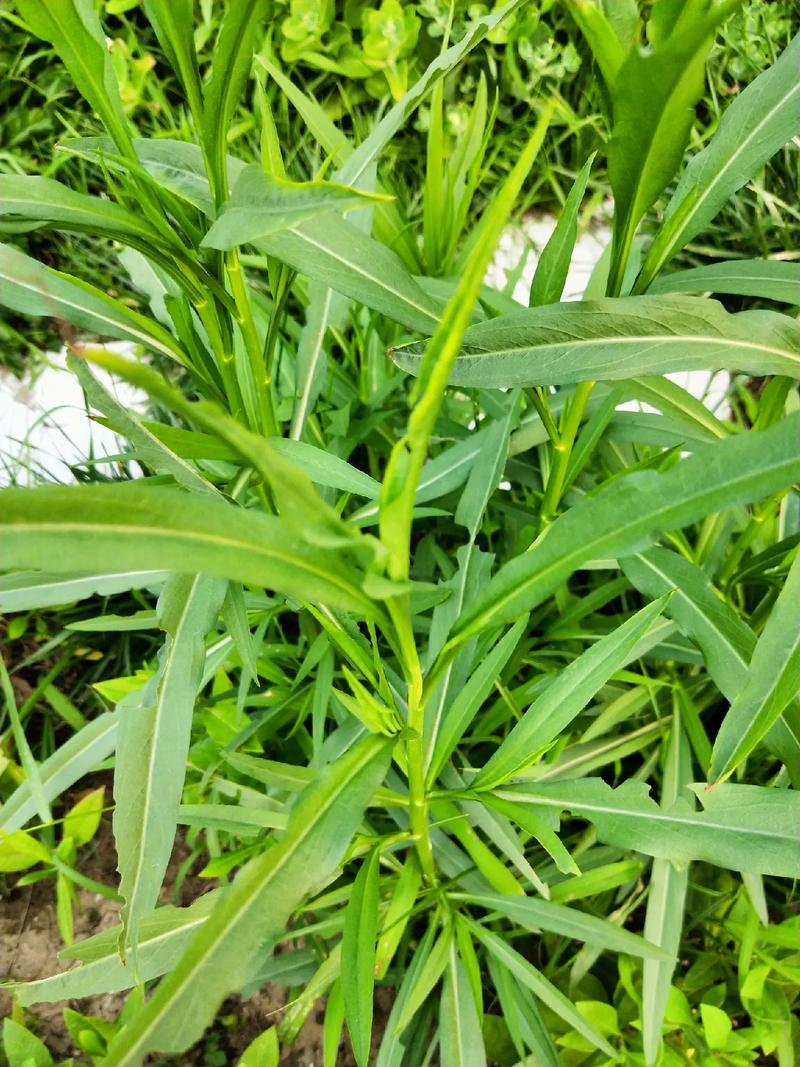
[{"x": 467, "y": 679}]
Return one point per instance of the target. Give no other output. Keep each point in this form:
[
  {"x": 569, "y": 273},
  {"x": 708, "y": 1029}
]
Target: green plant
[{"x": 421, "y": 748}]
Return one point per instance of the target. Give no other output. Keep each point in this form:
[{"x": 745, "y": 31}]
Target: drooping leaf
[
  {"x": 132, "y": 526},
  {"x": 163, "y": 937},
  {"x": 82, "y": 753},
  {"x": 32, "y": 289},
  {"x": 535, "y": 914},
  {"x": 725, "y": 639},
  {"x": 24, "y": 590}
]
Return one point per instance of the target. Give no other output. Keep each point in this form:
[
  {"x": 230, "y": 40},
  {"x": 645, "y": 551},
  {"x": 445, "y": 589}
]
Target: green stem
[
  {"x": 562, "y": 450},
  {"x": 258, "y": 379}
]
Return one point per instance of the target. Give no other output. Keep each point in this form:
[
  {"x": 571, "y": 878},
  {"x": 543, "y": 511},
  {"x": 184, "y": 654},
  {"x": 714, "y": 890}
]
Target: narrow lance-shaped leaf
[
  {"x": 153, "y": 747},
  {"x": 163, "y": 937},
  {"x": 254, "y": 910},
  {"x": 753, "y": 128},
  {"x": 624, "y": 337},
  {"x": 553, "y": 265},
  {"x": 233, "y": 55},
  {"x": 534, "y": 914},
  {"x": 529, "y": 976},
  {"x": 770, "y": 279},
  {"x": 130, "y": 526},
  {"x": 82, "y": 753},
  {"x": 38, "y": 589},
  {"x": 665, "y": 902},
  {"x": 565, "y": 697},
  {"x": 724, "y": 638},
  {"x": 742, "y": 827},
  {"x": 773, "y": 680},
  {"x": 460, "y": 1038},
  {"x": 626, "y": 516},
  {"x": 358, "y": 956},
  {"x": 73, "y": 28}
]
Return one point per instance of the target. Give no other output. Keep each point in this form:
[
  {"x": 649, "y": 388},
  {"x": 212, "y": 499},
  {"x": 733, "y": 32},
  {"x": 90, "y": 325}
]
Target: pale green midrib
[
  {"x": 356, "y": 268},
  {"x": 655, "y": 340},
  {"x": 253, "y": 898},
  {"x": 650, "y": 523},
  {"x": 299, "y": 417},
  {"x": 165, "y": 935},
  {"x": 681, "y": 228},
  {"x": 692, "y": 605},
  {"x": 602, "y": 750},
  {"x": 700, "y": 821},
  {"x": 163, "y": 688},
  {"x": 130, "y": 326},
  {"x": 187, "y": 535},
  {"x": 717, "y": 276}
]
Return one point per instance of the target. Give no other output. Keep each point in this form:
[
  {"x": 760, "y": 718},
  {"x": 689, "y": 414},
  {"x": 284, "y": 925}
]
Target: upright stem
[
  {"x": 562, "y": 450},
  {"x": 257, "y": 371}
]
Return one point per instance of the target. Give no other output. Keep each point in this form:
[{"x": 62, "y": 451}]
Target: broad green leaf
[
  {"x": 359, "y": 936},
  {"x": 153, "y": 747},
  {"x": 665, "y": 902},
  {"x": 460, "y": 1038},
  {"x": 132, "y": 526},
  {"x": 753, "y": 128},
  {"x": 261, "y": 205},
  {"x": 263, "y": 1052},
  {"x": 22, "y": 1048},
  {"x": 534, "y": 914},
  {"x": 608, "y": 47},
  {"x": 724, "y": 638},
  {"x": 623, "y": 337},
  {"x": 773, "y": 680},
  {"x": 82, "y": 753},
  {"x": 552, "y": 267},
  {"x": 565, "y": 697},
  {"x": 742, "y": 827},
  {"x": 73, "y": 28},
  {"x": 32, "y": 289},
  {"x": 532, "y": 978},
  {"x": 626, "y": 516},
  {"x": 163, "y": 937},
  {"x": 654, "y": 94},
  {"x": 83, "y": 818},
  {"x": 254, "y": 910},
  {"x": 769, "y": 279}
]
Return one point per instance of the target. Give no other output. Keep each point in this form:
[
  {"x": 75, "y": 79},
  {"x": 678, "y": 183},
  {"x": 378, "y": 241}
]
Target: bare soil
[{"x": 30, "y": 942}]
